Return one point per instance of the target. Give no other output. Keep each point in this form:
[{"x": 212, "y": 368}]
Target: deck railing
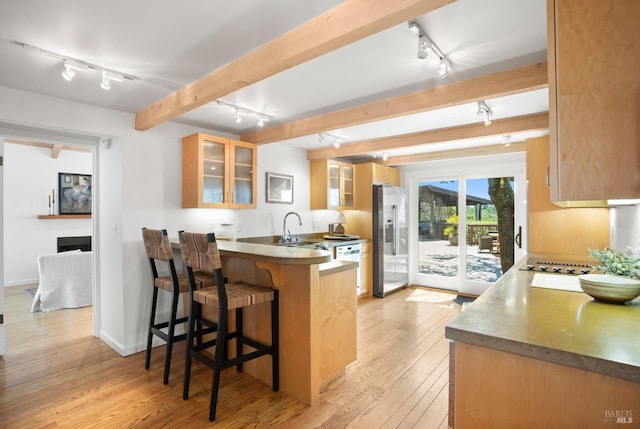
[{"x": 477, "y": 230}]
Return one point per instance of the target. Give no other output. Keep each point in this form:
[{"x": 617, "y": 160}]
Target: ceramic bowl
[{"x": 613, "y": 289}]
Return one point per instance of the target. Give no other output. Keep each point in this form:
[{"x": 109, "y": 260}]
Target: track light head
[
  {"x": 444, "y": 68},
  {"x": 106, "y": 85},
  {"x": 238, "y": 118},
  {"x": 506, "y": 139},
  {"x": 484, "y": 110},
  {"x": 423, "y": 45},
  {"x": 414, "y": 28},
  {"x": 385, "y": 156},
  {"x": 68, "y": 74}
]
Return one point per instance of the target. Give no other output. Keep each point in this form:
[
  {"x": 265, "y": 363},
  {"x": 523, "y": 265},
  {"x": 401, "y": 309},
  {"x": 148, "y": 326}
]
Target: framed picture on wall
[
  {"x": 74, "y": 193},
  {"x": 279, "y": 188}
]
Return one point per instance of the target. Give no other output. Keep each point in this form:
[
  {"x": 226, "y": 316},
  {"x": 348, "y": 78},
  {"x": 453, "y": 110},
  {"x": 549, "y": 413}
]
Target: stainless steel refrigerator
[{"x": 390, "y": 247}]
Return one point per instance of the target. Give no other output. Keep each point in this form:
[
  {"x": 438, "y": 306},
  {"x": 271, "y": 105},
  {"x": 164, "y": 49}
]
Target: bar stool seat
[
  {"x": 158, "y": 248},
  {"x": 239, "y": 294},
  {"x": 200, "y": 252}
]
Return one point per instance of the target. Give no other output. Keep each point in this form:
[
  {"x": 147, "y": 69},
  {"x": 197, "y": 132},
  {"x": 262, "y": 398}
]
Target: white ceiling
[{"x": 168, "y": 44}]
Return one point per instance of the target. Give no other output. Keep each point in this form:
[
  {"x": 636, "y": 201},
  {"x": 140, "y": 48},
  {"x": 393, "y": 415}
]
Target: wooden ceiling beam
[
  {"x": 456, "y": 153},
  {"x": 514, "y": 81},
  {"x": 498, "y": 127},
  {"x": 349, "y": 22},
  {"x": 55, "y": 150}
]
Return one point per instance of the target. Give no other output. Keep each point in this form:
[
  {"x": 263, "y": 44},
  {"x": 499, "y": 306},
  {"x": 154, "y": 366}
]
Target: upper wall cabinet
[
  {"x": 332, "y": 185},
  {"x": 594, "y": 100},
  {"x": 218, "y": 172}
]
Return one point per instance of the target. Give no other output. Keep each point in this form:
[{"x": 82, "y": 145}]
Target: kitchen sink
[
  {"x": 303, "y": 244},
  {"x": 298, "y": 244}
]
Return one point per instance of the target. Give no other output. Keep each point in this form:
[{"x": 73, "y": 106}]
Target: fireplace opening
[{"x": 82, "y": 243}]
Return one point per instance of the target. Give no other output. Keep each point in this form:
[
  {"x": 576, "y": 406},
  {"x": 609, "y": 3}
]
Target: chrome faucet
[{"x": 286, "y": 235}]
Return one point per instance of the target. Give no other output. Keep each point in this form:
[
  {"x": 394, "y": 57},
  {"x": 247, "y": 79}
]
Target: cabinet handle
[
  {"x": 548, "y": 176},
  {"x": 519, "y": 237}
]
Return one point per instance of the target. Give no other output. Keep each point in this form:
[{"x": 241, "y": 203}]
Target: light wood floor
[{"x": 56, "y": 375}]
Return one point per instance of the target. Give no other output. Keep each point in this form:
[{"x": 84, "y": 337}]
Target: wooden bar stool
[
  {"x": 200, "y": 252},
  {"x": 158, "y": 248}
]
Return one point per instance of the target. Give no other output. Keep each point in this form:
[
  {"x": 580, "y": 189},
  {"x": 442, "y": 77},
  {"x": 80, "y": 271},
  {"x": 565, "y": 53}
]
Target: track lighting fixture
[
  {"x": 425, "y": 44},
  {"x": 385, "y": 156},
  {"x": 506, "y": 139},
  {"x": 336, "y": 140},
  {"x": 71, "y": 65},
  {"x": 484, "y": 110},
  {"x": 68, "y": 74},
  {"x": 240, "y": 112}
]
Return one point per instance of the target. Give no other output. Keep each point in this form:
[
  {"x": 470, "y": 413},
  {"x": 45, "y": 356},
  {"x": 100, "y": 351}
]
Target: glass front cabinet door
[
  {"x": 332, "y": 185},
  {"x": 218, "y": 172}
]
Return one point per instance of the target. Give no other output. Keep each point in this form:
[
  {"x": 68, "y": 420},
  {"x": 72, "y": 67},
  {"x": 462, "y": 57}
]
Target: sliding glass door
[{"x": 469, "y": 226}]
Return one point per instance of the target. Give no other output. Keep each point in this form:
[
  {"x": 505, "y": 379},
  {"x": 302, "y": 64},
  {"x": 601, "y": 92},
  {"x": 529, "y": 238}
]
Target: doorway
[
  {"x": 45, "y": 145},
  {"x": 469, "y": 220}
]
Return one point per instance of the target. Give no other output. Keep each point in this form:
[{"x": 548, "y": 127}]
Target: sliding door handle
[{"x": 519, "y": 237}]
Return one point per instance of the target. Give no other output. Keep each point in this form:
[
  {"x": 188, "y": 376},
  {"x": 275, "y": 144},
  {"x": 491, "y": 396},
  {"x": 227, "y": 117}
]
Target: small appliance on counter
[{"x": 339, "y": 229}]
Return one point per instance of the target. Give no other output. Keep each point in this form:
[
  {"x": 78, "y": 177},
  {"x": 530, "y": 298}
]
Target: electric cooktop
[{"x": 558, "y": 266}]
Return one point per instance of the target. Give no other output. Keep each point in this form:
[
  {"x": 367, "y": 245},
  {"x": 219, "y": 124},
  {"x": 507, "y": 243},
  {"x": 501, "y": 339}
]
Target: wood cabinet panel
[
  {"x": 360, "y": 222},
  {"x": 594, "y": 64},
  {"x": 498, "y": 389},
  {"x": 554, "y": 229},
  {"x": 366, "y": 271}
]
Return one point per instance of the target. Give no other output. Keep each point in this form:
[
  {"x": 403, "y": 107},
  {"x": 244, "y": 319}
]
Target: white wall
[
  {"x": 137, "y": 184},
  {"x": 30, "y": 175}
]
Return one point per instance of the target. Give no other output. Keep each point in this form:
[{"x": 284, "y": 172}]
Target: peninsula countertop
[
  {"x": 268, "y": 253},
  {"x": 562, "y": 327}
]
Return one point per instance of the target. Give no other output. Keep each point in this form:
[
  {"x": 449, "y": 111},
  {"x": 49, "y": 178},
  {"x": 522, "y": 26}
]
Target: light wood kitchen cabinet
[
  {"x": 360, "y": 222},
  {"x": 555, "y": 230},
  {"x": 594, "y": 64},
  {"x": 218, "y": 172},
  {"x": 366, "y": 271},
  {"x": 332, "y": 185}
]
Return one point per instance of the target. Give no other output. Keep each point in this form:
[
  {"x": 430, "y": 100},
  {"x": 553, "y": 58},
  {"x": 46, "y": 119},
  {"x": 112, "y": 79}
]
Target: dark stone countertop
[{"x": 567, "y": 328}]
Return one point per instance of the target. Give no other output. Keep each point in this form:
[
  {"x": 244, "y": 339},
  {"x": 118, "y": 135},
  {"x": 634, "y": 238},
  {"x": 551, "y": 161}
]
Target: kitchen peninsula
[
  {"x": 317, "y": 312},
  {"x": 523, "y": 356}
]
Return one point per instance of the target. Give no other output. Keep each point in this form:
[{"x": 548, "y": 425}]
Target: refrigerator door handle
[{"x": 394, "y": 216}]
